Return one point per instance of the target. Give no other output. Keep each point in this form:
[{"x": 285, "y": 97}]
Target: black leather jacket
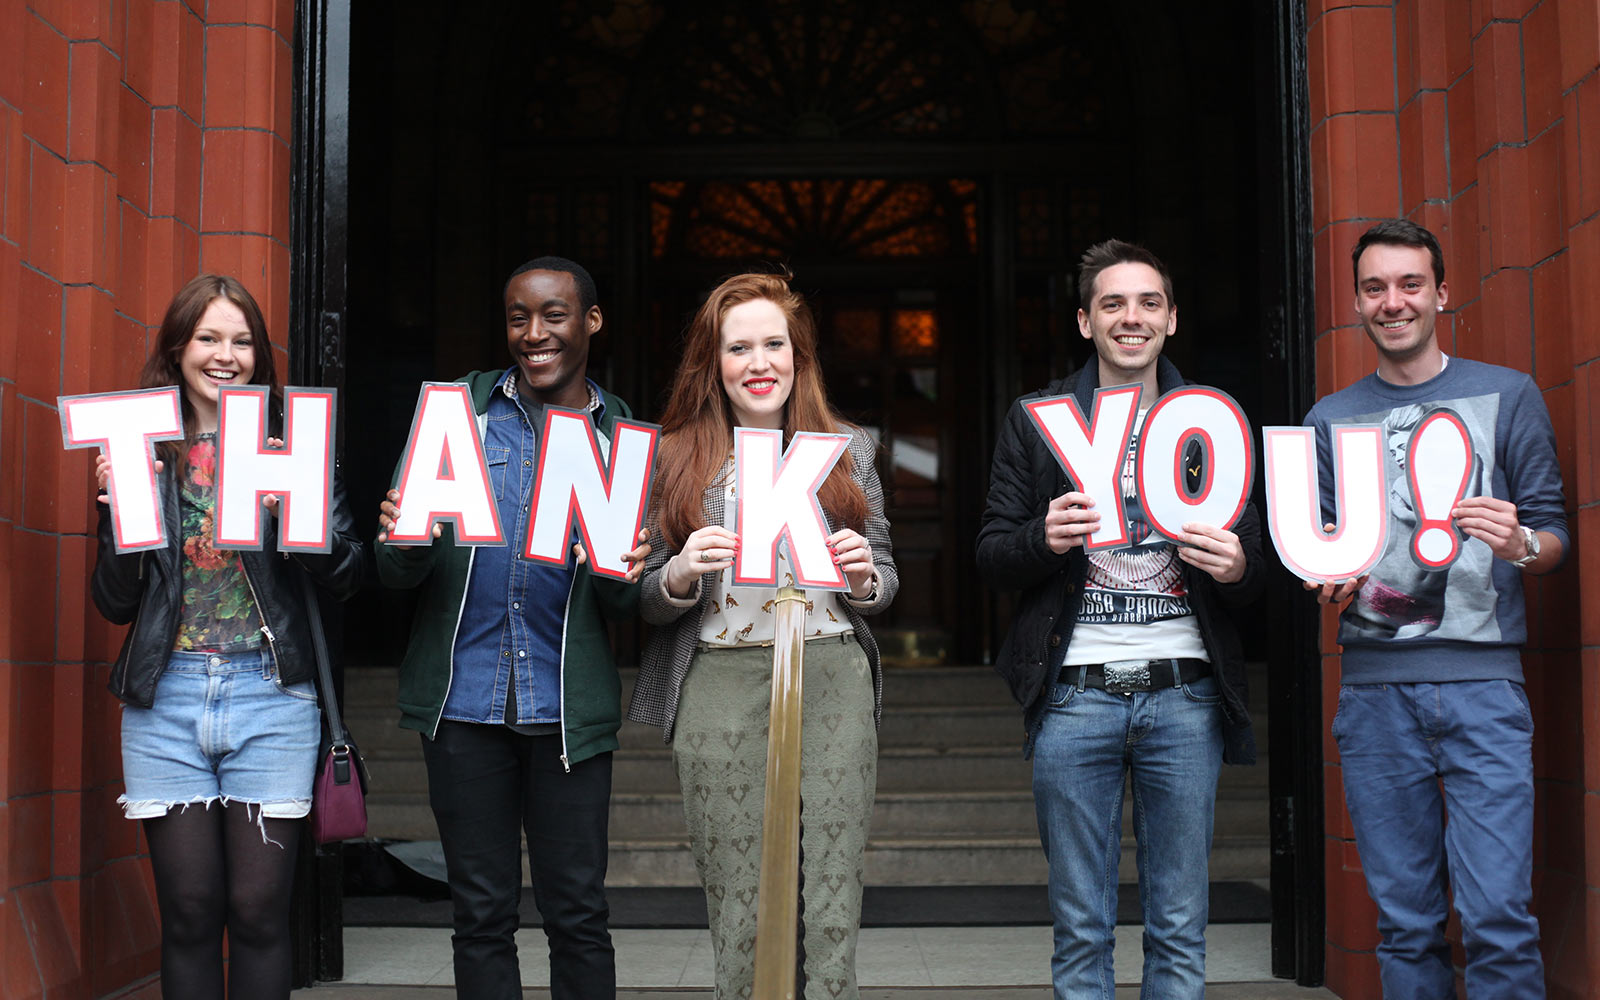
[
  {"x": 146, "y": 588},
  {"x": 1012, "y": 555}
]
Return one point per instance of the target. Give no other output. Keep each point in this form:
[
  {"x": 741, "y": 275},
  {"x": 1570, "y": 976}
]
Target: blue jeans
[
  {"x": 1401, "y": 746},
  {"x": 221, "y": 728},
  {"x": 1170, "y": 740}
]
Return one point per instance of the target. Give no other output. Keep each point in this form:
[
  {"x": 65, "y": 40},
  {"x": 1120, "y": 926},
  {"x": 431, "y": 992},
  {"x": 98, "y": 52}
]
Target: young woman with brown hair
[
  {"x": 750, "y": 359},
  {"x": 220, "y": 725}
]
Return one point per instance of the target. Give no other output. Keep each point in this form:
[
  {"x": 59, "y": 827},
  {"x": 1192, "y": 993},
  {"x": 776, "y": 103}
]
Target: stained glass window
[{"x": 832, "y": 218}]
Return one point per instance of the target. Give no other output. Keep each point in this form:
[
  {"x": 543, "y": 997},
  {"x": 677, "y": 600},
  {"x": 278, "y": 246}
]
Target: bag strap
[{"x": 337, "y": 736}]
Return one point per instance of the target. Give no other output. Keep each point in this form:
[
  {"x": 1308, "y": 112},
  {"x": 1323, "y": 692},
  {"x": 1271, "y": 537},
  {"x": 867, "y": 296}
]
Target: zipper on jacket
[
  {"x": 482, "y": 420},
  {"x": 455, "y": 633},
  {"x": 266, "y": 629},
  {"x": 561, "y": 670}
]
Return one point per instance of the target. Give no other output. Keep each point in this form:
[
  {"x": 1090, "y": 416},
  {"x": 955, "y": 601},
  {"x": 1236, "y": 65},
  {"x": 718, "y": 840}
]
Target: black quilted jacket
[{"x": 1012, "y": 555}]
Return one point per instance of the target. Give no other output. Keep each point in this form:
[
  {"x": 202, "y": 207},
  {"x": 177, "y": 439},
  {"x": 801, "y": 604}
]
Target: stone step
[
  {"x": 900, "y": 769},
  {"x": 927, "y": 861},
  {"x": 407, "y": 816},
  {"x": 962, "y": 687},
  {"x": 378, "y": 733}
]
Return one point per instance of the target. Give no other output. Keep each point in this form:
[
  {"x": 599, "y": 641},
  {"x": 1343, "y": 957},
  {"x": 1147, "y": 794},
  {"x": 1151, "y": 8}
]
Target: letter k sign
[{"x": 776, "y": 501}]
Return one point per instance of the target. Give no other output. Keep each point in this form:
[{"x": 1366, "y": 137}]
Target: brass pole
[{"x": 778, "y": 900}]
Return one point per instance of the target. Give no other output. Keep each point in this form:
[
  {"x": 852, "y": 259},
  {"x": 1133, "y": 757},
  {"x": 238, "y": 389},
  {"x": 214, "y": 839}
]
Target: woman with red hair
[{"x": 750, "y": 360}]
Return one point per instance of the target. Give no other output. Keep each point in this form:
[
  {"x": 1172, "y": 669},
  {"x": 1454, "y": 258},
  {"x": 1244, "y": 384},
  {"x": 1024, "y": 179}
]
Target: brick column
[
  {"x": 1481, "y": 120},
  {"x": 141, "y": 141}
]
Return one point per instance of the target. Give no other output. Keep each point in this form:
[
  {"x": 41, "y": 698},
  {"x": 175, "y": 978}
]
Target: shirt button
[
  {"x": 516, "y": 605},
  {"x": 521, "y": 653},
  {"x": 525, "y": 462},
  {"x": 505, "y": 653},
  {"x": 1055, "y": 640}
]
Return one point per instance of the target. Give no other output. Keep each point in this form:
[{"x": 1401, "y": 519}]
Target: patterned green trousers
[{"x": 720, "y": 748}]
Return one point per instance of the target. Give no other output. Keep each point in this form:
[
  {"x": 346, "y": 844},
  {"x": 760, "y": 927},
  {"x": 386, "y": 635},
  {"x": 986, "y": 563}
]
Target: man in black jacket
[{"x": 1123, "y": 659}]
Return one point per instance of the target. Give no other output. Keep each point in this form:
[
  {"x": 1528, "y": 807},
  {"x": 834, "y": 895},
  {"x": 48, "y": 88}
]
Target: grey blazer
[{"x": 676, "y": 636}]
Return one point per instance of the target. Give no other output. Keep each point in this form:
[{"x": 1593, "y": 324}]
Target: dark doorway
[
  {"x": 929, "y": 171},
  {"x": 910, "y": 162}
]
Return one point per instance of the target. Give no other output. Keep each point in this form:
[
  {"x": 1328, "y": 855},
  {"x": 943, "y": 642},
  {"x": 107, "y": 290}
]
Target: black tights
[{"x": 213, "y": 870}]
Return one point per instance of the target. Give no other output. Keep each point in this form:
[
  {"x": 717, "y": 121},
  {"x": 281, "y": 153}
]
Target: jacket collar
[{"x": 1168, "y": 378}]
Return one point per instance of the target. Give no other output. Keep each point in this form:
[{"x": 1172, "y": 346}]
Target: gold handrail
[{"x": 778, "y": 900}]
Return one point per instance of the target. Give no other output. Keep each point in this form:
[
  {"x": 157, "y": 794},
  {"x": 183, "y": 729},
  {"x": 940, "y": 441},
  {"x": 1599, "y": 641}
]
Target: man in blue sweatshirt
[{"x": 1432, "y": 714}]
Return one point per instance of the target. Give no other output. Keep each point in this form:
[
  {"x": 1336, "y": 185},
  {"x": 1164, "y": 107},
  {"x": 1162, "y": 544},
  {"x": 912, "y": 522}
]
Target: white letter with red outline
[
  {"x": 300, "y": 473},
  {"x": 1294, "y": 505},
  {"x": 608, "y": 498},
  {"x": 1440, "y": 461},
  {"x": 444, "y": 476},
  {"x": 776, "y": 502},
  {"x": 1213, "y": 419},
  {"x": 1093, "y": 452},
  {"x": 125, "y": 426}
]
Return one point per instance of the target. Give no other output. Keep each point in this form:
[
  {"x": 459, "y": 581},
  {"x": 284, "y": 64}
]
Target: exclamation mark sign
[{"x": 1438, "y": 466}]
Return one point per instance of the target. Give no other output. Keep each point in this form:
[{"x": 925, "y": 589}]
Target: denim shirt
[{"x": 514, "y": 615}]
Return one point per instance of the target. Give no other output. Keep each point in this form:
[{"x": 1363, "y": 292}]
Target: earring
[{"x": 1438, "y": 308}]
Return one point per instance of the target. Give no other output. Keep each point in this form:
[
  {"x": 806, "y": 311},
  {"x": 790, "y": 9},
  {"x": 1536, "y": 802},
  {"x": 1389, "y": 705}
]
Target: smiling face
[
  {"x": 220, "y": 352},
  {"x": 757, "y": 363},
  {"x": 1398, "y": 301},
  {"x": 548, "y": 332},
  {"x": 1129, "y": 320}
]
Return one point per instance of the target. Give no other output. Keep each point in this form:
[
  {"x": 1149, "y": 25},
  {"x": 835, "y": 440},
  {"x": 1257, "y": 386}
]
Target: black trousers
[{"x": 487, "y": 785}]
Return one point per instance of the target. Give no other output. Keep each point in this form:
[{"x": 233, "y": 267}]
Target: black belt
[{"x": 1124, "y": 676}]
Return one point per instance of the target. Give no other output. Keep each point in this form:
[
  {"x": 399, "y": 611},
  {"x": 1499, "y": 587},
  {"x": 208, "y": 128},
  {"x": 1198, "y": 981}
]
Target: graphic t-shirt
[
  {"x": 219, "y": 614},
  {"x": 1135, "y": 604}
]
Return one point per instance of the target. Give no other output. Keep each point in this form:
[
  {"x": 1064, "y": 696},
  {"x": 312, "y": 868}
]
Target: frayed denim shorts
[{"x": 221, "y": 730}]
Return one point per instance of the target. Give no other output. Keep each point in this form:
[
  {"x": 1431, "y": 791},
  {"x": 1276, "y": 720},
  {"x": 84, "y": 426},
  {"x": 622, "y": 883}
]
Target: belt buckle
[{"x": 1126, "y": 676}]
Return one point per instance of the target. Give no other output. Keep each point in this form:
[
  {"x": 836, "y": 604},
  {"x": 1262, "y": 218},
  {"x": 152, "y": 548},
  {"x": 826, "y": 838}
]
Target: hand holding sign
[
  {"x": 853, "y": 554},
  {"x": 1494, "y": 522},
  {"x": 1214, "y": 550},
  {"x": 708, "y": 550},
  {"x": 1069, "y": 521}
]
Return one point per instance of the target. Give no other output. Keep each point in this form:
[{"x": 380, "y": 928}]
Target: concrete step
[
  {"x": 954, "y": 803},
  {"x": 407, "y": 816},
  {"x": 963, "y": 687},
  {"x": 927, "y": 861},
  {"x": 377, "y": 730},
  {"x": 909, "y": 769}
]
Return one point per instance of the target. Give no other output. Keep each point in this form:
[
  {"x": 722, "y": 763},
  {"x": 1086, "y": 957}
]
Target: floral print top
[{"x": 219, "y": 614}]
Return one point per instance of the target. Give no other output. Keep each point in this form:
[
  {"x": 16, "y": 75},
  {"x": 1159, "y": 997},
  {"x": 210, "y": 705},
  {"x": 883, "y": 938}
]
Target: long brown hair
[
  {"x": 697, "y": 427},
  {"x": 162, "y": 368}
]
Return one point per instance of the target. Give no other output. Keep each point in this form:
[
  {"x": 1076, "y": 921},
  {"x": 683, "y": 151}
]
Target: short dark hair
[
  {"x": 1399, "y": 233},
  {"x": 588, "y": 298},
  {"x": 1109, "y": 253}
]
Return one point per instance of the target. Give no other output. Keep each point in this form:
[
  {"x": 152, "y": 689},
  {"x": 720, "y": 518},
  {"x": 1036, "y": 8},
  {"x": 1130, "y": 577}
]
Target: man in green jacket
[{"x": 509, "y": 675}]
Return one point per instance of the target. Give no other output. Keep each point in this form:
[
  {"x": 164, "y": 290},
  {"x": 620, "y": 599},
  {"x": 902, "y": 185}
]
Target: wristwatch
[{"x": 1531, "y": 540}]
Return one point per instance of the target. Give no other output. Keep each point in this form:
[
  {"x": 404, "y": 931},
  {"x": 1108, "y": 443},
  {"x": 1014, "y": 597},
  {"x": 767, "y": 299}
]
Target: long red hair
[{"x": 697, "y": 427}]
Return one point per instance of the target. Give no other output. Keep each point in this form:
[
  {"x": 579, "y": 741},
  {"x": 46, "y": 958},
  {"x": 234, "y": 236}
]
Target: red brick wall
[
  {"x": 1481, "y": 120},
  {"x": 141, "y": 141}
]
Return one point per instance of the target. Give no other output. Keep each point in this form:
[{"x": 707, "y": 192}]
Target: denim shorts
[{"x": 221, "y": 729}]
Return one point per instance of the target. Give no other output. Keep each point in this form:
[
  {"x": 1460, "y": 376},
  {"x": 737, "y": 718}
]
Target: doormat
[{"x": 883, "y": 906}]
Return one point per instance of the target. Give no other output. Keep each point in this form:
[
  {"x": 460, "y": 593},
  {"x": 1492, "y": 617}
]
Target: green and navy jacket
[{"x": 591, "y": 691}]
